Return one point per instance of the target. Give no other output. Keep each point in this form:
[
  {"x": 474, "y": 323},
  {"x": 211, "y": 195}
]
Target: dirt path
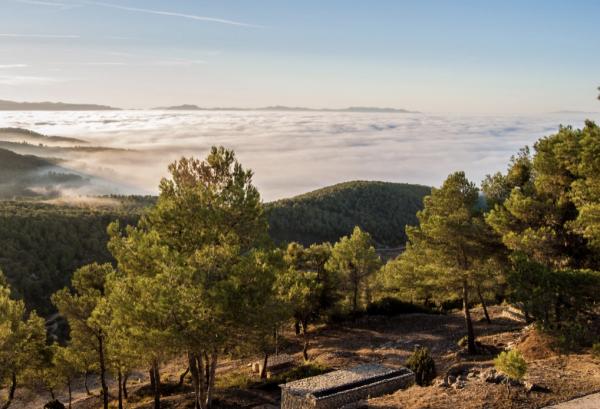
[{"x": 587, "y": 402}]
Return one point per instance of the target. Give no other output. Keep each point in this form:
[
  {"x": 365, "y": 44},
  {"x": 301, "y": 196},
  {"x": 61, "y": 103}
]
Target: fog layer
[{"x": 295, "y": 152}]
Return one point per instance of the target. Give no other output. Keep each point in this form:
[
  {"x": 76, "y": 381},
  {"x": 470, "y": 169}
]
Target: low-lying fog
[{"x": 294, "y": 152}]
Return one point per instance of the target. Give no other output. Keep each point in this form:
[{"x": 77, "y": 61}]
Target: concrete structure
[
  {"x": 344, "y": 387},
  {"x": 275, "y": 364}
]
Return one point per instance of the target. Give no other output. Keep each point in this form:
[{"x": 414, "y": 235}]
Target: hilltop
[
  {"x": 381, "y": 208},
  {"x": 34, "y": 176},
  {"x": 13, "y": 163},
  {"x": 51, "y": 106},
  {"x": 29, "y": 136}
]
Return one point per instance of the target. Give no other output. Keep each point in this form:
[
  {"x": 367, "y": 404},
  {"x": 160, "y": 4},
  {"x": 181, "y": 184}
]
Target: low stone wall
[
  {"x": 378, "y": 381},
  {"x": 364, "y": 392}
]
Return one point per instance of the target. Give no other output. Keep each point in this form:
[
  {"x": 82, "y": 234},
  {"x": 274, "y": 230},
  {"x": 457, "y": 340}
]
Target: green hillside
[
  {"x": 26, "y": 135},
  {"x": 14, "y": 163},
  {"x": 383, "y": 209},
  {"x": 42, "y": 244}
]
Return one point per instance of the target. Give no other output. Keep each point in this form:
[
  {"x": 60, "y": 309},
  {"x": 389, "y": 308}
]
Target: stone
[{"x": 441, "y": 383}]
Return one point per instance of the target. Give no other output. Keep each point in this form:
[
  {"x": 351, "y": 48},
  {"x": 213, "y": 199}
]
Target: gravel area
[{"x": 336, "y": 379}]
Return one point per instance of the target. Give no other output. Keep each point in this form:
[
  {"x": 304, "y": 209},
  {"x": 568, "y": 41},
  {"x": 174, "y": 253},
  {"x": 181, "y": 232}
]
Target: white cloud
[
  {"x": 8, "y": 66},
  {"x": 171, "y": 14},
  {"x": 47, "y": 3},
  {"x": 19, "y": 35},
  {"x": 16, "y": 80}
]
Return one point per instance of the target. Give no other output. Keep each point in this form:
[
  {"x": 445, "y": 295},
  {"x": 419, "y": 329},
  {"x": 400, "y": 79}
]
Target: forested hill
[
  {"x": 43, "y": 243},
  {"x": 383, "y": 209},
  {"x": 15, "y": 163}
]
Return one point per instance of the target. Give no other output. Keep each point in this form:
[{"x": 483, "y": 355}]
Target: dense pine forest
[
  {"x": 382, "y": 209},
  {"x": 206, "y": 272},
  {"x": 43, "y": 243}
]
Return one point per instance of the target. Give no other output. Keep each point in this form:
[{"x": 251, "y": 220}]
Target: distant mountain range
[
  {"x": 51, "y": 106},
  {"x": 282, "y": 108},
  {"x": 61, "y": 106}
]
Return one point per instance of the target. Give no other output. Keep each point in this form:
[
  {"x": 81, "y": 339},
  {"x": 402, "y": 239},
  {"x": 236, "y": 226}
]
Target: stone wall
[{"x": 289, "y": 400}]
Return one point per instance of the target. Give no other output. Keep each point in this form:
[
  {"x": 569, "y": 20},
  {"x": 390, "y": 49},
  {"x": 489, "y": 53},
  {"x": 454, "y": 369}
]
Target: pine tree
[
  {"x": 450, "y": 245},
  {"x": 79, "y": 307},
  {"x": 354, "y": 259},
  {"x": 22, "y": 341},
  {"x": 200, "y": 262}
]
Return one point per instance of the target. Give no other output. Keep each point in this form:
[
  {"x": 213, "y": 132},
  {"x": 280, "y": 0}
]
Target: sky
[{"x": 430, "y": 56}]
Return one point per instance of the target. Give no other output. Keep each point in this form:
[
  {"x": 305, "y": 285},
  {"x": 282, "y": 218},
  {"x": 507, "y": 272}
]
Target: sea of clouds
[{"x": 294, "y": 152}]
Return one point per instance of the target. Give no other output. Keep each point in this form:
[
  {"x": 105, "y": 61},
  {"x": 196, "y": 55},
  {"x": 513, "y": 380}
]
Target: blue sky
[{"x": 433, "y": 56}]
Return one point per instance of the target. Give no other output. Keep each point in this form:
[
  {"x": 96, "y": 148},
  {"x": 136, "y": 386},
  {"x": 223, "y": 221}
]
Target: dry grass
[{"x": 390, "y": 341}]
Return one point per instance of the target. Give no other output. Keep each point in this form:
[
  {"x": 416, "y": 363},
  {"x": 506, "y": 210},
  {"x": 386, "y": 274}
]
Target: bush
[
  {"x": 303, "y": 371},
  {"x": 390, "y": 306},
  {"x": 512, "y": 364},
  {"x": 422, "y": 364},
  {"x": 596, "y": 350},
  {"x": 561, "y": 301}
]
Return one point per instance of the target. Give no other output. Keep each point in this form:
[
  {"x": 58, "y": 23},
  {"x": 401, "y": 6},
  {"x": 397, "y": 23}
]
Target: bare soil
[{"x": 390, "y": 341}]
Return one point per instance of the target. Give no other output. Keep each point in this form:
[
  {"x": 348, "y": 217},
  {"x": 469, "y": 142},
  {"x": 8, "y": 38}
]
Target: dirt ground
[{"x": 390, "y": 341}]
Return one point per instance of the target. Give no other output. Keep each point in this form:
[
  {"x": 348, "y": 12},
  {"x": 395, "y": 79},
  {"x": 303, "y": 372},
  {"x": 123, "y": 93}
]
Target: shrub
[
  {"x": 303, "y": 371},
  {"x": 512, "y": 364},
  {"x": 390, "y": 306},
  {"x": 422, "y": 364},
  {"x": 596, "y": 350}
]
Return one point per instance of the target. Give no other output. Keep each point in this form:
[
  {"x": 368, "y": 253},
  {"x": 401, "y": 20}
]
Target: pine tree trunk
[
  {"x": 355, "y": 299},
  {"x": 85, "y": 383},
  {"x": 263, "y": 372},
  {"x": 156, "y": 372},
  {"x": 207, "y": 368},
  {"x": 70, "y": 393},
  {"x": 182, "y": 377},
  {"x": 305, "y": 335},
  {"x": 470, "y": 333},
  {"x": 482, "y": 301},
  {"x": 102, "y": 362},
  {"x": 202, "y": 378},
  {"x": 193, "y": 366},
  {"x": 297, "y": 327},
  {"x": 11, "y": 391},
  {"x": 125, "y": 379},
  {"x": 120, "y": 381},
  {"x": 211, "y": 380}
]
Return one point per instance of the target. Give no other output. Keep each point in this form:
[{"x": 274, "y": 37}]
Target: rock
[
  {"x": 532, "y": 387},
  {"x": 492, "y": 376},
  {"x": 441, "y": 383}
]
